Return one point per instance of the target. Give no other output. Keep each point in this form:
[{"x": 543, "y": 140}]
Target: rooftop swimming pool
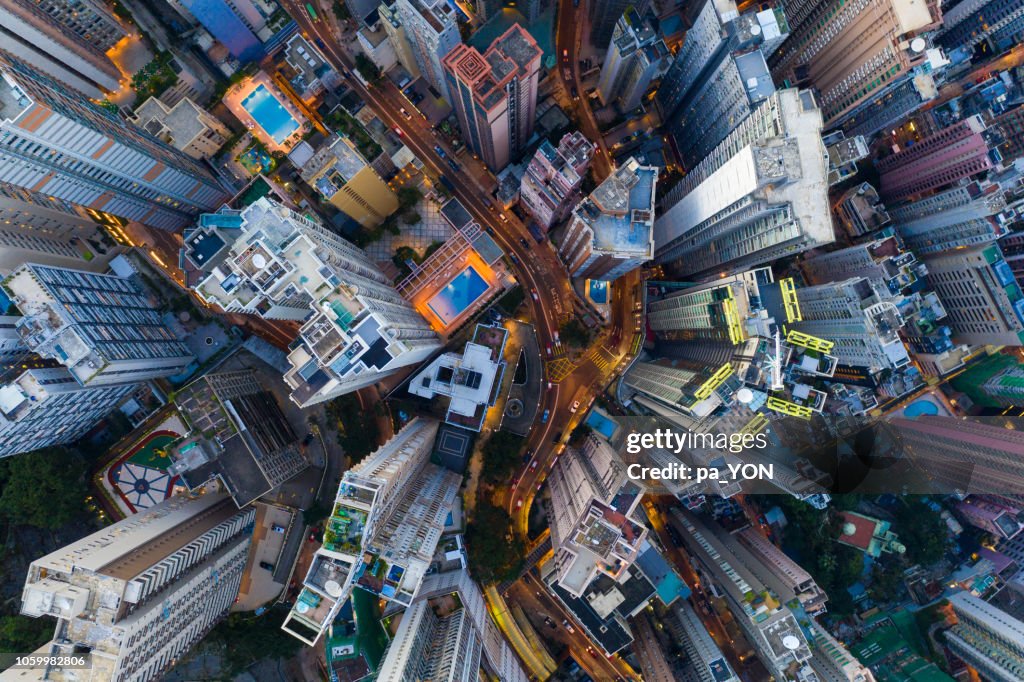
[
  {"x": 919, "y": 408},
  {"x": 270, "y": 114},
  {"x": 598, "y": 291},
  {"x": 460, "y": 293},
  {"x": 601, "y": 424}
]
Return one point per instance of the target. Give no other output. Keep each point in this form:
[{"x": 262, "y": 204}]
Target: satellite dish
[
  {"x": 917, "y": 45},
  {"x": 259, "y": 260},
  {"x": 302, "y": 607},
  {"x": 332, "y": 588},
  {"x": 744, "y": 395},
  {"x": 755, "y": 30},
  {"x": 791, "y": 642}
]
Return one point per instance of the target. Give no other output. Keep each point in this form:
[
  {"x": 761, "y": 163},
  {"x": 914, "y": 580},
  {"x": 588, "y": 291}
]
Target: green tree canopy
[
  {"x": 45, "y": 488},
  {"x": 495, "y": 551},
  {"x": 501, "y": 457}
]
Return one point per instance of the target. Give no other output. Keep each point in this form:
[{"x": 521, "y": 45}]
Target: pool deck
[
  {"x": 237, "y": 93},
  {"x": 422, "y": 298}
]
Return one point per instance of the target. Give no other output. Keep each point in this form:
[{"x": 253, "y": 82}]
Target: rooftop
[{"x": 620, "y": 211}]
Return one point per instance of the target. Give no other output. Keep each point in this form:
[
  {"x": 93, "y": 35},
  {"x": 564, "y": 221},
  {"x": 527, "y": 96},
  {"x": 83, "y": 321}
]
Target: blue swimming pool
[
  {"x": 601, "y": 424},
  {"x": 269, "y": 113},
  {"x": 457, "y": 295},
  {"x": 920, "y": 407},
  {"x": 598, "y": 291}
]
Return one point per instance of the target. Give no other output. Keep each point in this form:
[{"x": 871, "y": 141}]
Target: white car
[{"x": 575, "y": 406}]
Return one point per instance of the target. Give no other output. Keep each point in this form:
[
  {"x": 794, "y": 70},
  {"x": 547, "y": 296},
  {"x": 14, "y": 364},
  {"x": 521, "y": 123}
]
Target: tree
[
  {"x": 512, "y": 299},
  {"x": 921, "y": 530},
  {"x": 886, "y": 582},
  {"x": 45, "y": 488},
  {"x": 341, "y": 11},
  {"x": 366, "y": 67},
  {"x": 411, "y": 218},
  {"x": 357, "y": 430},
  {"x": 575, "y": 333},
  {"x": 407, "y": 198},
  {"x": 495, "y": 550},
  {"x": 247, "y": 639},
  {"x": 18, "y": 633},
  {"x": 579, "y": 435},
  {"x": 501, "y": 457}
]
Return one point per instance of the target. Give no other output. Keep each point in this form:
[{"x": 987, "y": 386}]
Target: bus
[{"x": 311, "y": 12}]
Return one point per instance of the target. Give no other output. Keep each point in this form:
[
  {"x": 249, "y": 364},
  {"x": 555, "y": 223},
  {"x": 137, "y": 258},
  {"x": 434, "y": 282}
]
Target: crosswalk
[
  {"x": 601, "y": 357},
  {"x": 558, "y": 369}
]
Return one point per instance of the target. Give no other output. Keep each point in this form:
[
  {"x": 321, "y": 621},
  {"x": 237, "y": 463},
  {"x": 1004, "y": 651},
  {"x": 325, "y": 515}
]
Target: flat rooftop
[{"x": 620, "y": 211}]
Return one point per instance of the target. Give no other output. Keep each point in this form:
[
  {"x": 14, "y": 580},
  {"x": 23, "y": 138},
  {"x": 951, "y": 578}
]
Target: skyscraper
[
  {"x": 54, "y": 143},
  {"x": 588, "y": 535},
  {"x": 966, "y": 215},
  {"x": 964, "y": 456},
  {"x": 400, "y": 41},
  {"x": 432, "y": 31},
  {"x": 611, "y": 231},
  {"x": 707, "y": 660},
  {"x": 552, "y": 179},
  {"x": 966, "y": 24},
  {"x": 349, "y": 183},
  {"x": 939, "y": 160},
  {"x": 762, "y": 194},
  {"x": 635, "y": 57},
  {"x": 387, "y": 520},
  {"x": 717, "y": 78},
  {"x": 605, "y": 13},
  {"x": 65, "y": 42},
  {"x": 988, "y": 639},
  {"x": 980, "y": 293},
  {"x": 234, "y": 23},
  {"x": 452, "y": 646},
  {"x": 44, "y": 407},
  {"x": 495, "y": 94},
  {"x": 134, "y": 597},
  {"x": 853, "y": 53},
  {"x": 860, "y": 317},
  {"x": 103, "y": 328},
  {"x": 270, "y": 261}
]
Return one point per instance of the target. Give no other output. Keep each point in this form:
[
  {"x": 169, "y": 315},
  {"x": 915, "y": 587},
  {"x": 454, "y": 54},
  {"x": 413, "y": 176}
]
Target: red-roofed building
[{"x": 871, "y": 536}]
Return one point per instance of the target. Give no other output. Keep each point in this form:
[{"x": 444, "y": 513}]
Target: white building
[
  {"x": 44, "y": 407},
  {"x": 709, "y": 664},
  {"x": 134, "y": 597},
  {"x": 611, "y": 232},
  {"x": 450, "y": 647},
  {"x": 270, "y": 261},
  {"x": 103, "y": 328},
  {"x": 432, "y": 30},
  {"x": 832, "y": 661},
  {"x": 185, "y": 126},
  {"x": 387, "y": 520},
  {"x": 761, "y": 195},
  {"x": 635, "y": 57},
  {"x": 118, "y": 169},
  {"x": 988, "y": 639},
  {"x": 860, "y": 317},
  {"x": 588, "y": 535},
  {"x": 791, "y": 577}
]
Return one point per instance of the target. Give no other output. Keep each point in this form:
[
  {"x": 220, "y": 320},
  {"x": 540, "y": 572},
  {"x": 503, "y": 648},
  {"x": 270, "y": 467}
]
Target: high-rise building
[
  {"x": 832, "y": 661},
  {"x": 883, "y": 261},
  {"x": 611, "y": 232},
  {"x": 51, "y": 36},
  {"x": 635, "y": 57},
  {"x": 790, "y": 576},
  {"x": 448, "y": 645},
  {"x": 185, "y": 126},
  {"x": 966, "y": 24},
  {"x": 103, "y": 328},
  {"x": 432, "y": 30},
  {"x": 387, "y": 520},
  {"x": 270, "y": 261},
  {"x": 495, "y": 94},
  {"x": 860, "y": 210},
  {"x": 852, "y": 53},
  {"x": 860, "y": 317},
  {"x": 235, "y": 24},
  {"x": 716, "y": 79},
  {"x": 552, "y": 180},
  {"x": 986, "y": 638},
  {"x": 605, "y": 13},
  {"x": 44, "y": 407},
  {"x": 54, "y": 143},
  {"x": 588, "y": 534},
  {"x": 395, "y": 30},
  {"x": 349, "y": 183},
  {"x": 761, "y": 195},
  {"x": 134, "y": 597},
  {"x": 964, "y": 456},
  {"x": 980, "y": 294},
  {"x": 1010, "y": 126},
  {"x": 939, "y": 160},
  {"x": 769, "y": 625},
  {"x": 893, "y": 105},
  {"x": 707, "y": 662},
  {"x": 967, "y": 215},
  {"x": 35, "y": 228},
  {"x": 91, "y": 20}
]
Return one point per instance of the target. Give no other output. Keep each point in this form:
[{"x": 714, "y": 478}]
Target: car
[
  {"x": 454, "y": 166},
  {"x": 512, "y": 257},
  {"x": 590, "y": 650},
  {"x": 502, "y": 218},
  {"x": 489, "y": 230},
  {"x": 575, "y": 93},
  {"x": 266, "y": 565},
  {"x": 440, "y": 152},
  {"x": 568, "y": 626},
  {"x": 533, "y": 465},
  {"x": 308, "y": 439},
  {"x": 550, "y": 623},
  {"x": 488, "y": 204},
  {"x": 544, "y": 417},
  {"x": 555, "y": 336},
  {"x": 567, "y": 73},
  {"x": 548, "y": 349},
  {"x": 525, "y": 243},
  {"x": 405, "y": 113},
  {"x": 565, "y": 55},
  {"x": 276, "y": 528},
  {"x": 398, "y": 131},
  {"x": 558, "y": 437},
  {"x": 519, "y": 504},
  {"x": 539, "y": 485},
  {"x": 533, "y": 294},
  {"x": 575, "y": 406}
]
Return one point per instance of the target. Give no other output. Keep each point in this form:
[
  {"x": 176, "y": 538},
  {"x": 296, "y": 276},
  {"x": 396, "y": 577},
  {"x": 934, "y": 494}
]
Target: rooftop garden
[{"x": 154, "y": 78}]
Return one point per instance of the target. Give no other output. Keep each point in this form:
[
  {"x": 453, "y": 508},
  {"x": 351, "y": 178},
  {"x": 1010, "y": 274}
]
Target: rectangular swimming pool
[
  {"x": 460, "y": 293},
  {"x": 270, "y": 114}
]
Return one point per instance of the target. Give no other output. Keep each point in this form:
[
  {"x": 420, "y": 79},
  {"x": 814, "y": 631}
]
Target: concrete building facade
[
  {"x": 550, "y": 186},
  {"x": 343, "y": 177}
]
